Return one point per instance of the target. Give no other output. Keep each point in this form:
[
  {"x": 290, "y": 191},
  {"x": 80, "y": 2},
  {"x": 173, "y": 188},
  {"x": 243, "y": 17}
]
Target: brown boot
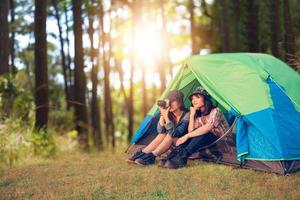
[{"x": 178, "y": 161}]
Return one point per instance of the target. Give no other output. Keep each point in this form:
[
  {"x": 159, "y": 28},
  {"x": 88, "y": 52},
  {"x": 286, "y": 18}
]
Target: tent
[{"x": 260, "y": 92}]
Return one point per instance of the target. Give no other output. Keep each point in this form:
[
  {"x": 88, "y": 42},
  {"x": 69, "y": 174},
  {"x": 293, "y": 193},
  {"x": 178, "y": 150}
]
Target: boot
[
  {"x": 179, "y": 160},
  {"x": 173, "y": 153}
]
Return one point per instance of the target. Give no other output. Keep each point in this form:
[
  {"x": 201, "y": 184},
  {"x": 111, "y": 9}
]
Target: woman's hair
[
  {"x": 172, "y": 116},
  {"x": 208, "y": 106},
  {"x": 177, "y": 95}
]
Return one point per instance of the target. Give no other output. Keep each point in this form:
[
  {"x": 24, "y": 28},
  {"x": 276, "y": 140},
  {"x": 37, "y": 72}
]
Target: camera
[{"x": 163, "y": 103}]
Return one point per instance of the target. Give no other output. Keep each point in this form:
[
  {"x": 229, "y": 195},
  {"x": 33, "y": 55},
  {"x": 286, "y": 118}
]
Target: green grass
[{"x": 106, "y": 176}]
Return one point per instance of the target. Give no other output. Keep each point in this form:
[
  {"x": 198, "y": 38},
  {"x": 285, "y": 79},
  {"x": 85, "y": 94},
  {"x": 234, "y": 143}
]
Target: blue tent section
[
  {"x": 272, "y": 133},
  {"x": 142, "y": 129}
]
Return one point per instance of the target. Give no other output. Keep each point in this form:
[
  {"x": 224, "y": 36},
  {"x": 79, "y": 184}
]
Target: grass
[{"x": 106, "y": 176}]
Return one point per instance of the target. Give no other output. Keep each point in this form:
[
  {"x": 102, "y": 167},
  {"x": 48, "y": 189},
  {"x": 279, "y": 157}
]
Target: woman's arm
[
  {"x": 161, "y": 121},
  {"x": 164, "y": 113},
  {"x": 191, "y": 123},
  {"x": 161, "y": 125},
  {"x": 200, "y": 131},
  {"x": 192, "y": 119}
]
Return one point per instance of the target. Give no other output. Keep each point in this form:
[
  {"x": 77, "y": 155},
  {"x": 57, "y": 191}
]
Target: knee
[
  {"x": 161, "y": 135},
  {"x": 168, "y": 137}
]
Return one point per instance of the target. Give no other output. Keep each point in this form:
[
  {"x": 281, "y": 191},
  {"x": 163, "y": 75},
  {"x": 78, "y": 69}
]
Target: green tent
[{"x": 260, "y": 91}]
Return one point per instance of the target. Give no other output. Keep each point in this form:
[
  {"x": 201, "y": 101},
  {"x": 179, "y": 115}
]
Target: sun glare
[{"x": 147, "y": 45}]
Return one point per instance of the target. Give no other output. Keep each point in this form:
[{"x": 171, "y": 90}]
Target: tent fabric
[
  {"x": 142, "y": 129},
  {"x": 273, "y": 134},
  {"x": 262, "y": 91}
]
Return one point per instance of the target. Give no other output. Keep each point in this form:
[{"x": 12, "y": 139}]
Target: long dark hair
[
  {"x": 172, "y": 116},
  {"x": 178, "y": 96},
  {"x": 208, "y": 106}
]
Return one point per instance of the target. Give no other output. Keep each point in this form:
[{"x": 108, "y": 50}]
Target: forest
[
  {"x": 78, "y": 78},
  {"x": 83, "y": 74}
]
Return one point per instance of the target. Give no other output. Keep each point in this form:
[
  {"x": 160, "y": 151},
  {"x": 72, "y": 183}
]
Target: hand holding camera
[
  {"x": 163, "y": 103},
  {"x": 164, "y": 107}
]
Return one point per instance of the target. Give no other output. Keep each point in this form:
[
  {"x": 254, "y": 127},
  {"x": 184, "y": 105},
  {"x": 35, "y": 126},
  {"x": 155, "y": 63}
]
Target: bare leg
[
  {"x": 164, "y": 145},
  {"x": 154, "y": 144}
]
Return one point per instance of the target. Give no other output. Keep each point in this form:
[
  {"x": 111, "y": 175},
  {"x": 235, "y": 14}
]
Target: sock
[{"x": 154, "y": 153}]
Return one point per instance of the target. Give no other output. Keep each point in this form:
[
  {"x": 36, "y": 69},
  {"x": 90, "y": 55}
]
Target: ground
[{"x": 106, "y": 175}]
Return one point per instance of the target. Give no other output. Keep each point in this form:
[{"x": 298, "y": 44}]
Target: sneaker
[
  {"x": 147, "y": 159},
  {"x": 137, "y": 155}
]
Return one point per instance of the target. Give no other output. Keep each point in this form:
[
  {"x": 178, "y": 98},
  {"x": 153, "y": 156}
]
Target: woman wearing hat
[
  {"x": 206, "y": 124},
  {"x": 173, "y": 123}
]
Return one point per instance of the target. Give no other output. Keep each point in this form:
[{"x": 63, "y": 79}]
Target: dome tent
[{"x": 260, "y": 91}]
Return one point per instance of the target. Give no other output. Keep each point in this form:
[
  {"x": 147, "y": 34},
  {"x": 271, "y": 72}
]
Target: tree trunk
[
  {"x": 224, "y": 26},
  {"x": 144, "y": 92},
  {"x": 274, "y": 25},
  {"x": 41, "y": 69},
  {"x": 109, "y": 126},
  {"x": 4, "y": 37},
  {"x": 289, "y": 38},
  {"x": 145, "y": 18},
  {"x": 80, "y": 80},
  {"x": 134, "y": 9},
  {"x": 12, "y": 39},
  {"x": 236, "y": 13},
  {"x": 70, "y": 75},
  {"x": 62, "y": 52},
  {"x": 110, "y": 55},
  {"x": 252, "y": 10},
  {"x": 165, "y": 61},
  {"x": 95, "y": 114},
  {"x": 191, "y": 7}
]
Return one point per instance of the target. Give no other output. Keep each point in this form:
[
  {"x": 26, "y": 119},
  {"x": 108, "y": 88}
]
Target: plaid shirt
[{"x": 216, "y": 119}]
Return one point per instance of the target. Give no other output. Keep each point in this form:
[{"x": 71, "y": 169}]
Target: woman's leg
[
  {"x": 164, "y": 145},
  {"x": 155, "y": 143},
  {"x": 200, "y": 141},
  {"x": 189, "y": 147}
]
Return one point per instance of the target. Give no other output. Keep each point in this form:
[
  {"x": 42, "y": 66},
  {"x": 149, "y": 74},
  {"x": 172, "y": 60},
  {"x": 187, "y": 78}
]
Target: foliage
[
  {"x": 43, "y": 142},
  {"x": 15, "y": 96},
  {"x": 20, "y": 141},
  {"x": 13, "y": 140}
]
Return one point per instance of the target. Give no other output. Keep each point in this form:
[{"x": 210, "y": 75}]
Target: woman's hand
[
  {"x": 182, "y": 139},
  {"x": 161, "y": 120},
  {"x": 192, "y": 111},
  {"x": 164, "y": 112}
]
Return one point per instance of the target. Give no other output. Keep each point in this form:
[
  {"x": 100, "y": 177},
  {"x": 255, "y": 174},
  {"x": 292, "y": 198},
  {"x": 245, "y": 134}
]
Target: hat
[
  {"x": 176, "y": 95},
  {"x": 199, "y": 90}
]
